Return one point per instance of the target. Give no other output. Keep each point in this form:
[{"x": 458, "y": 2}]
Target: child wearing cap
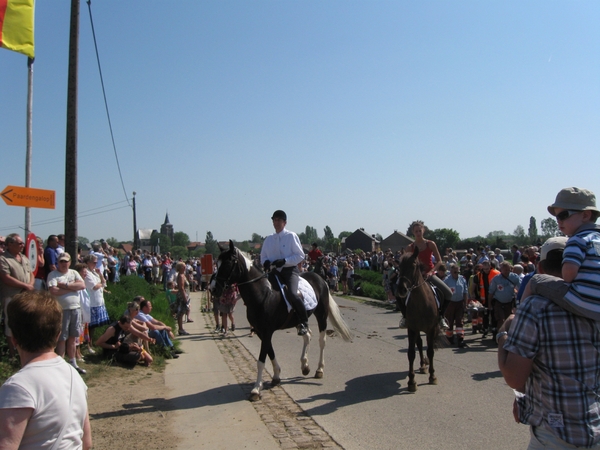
[{"x": 579, "y": 290}]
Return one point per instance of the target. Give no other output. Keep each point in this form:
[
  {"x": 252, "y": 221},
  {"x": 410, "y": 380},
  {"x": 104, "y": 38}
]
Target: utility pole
[
  {"x": 135, "y": 243},
  {"x": 29, "y": 140},
  {"x": 71, "y": 153}
]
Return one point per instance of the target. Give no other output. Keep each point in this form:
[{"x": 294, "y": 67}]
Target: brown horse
[{"x": 421, "y": 315}]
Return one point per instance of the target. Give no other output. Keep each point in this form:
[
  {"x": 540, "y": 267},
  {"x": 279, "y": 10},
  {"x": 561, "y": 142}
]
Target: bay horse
[
  {"x": 267, "y": 311},
  {"x": 421, "y": 315}
]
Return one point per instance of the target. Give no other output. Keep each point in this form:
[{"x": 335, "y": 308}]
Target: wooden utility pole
[{"x": 71, "y": 153}]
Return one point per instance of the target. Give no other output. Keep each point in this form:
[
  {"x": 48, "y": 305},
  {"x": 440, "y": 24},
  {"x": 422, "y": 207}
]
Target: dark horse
[
  {"x": 421, "y": 314},
  {"x": 267, "y": 311}
]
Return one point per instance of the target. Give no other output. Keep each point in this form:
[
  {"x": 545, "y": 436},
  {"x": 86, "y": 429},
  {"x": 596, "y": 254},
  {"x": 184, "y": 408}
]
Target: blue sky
[{"x": 469, "y": 115}]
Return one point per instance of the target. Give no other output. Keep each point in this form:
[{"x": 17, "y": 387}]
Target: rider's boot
[{"x": 302, "y": 328}]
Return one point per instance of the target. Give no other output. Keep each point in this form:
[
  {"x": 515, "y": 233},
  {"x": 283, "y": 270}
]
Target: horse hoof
[
  {"x": 275, "y": 381},
  {"x": 423, "y": 370},
  {"x": 433, "y": 381},
  {"x": 319, "y": 374},
  {"x": 412, "y": 387},
  {"x": 305, "y": 370},
  {"x": 254, "y": 396}
]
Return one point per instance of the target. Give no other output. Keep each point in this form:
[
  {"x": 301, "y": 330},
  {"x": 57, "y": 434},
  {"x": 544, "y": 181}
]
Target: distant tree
[
  {"x": 549, "y": 228},
  {"x": 444, "y": 238},
  {"x": 344, "y": 234},
  {"x": 82, "y": 241},
  {"x": 211, "y": 245},
  {"x": 494, "y": 234},
  {"x": 112, "y": 242},
  {"x": 177, "y": 251},
  {"x": 243, "y": 246},
  {"x": 257, "y": 238},
  {"x": 309, "y": 236},
  {"x": 379, "y": 237},
  {"x": 532, "y": 231},
  {"x": 198, "y": 253},
  {"x": 181, "y": 239},
  {"x": 330, "y": 243},
  {"x": 520, "y": 236}
]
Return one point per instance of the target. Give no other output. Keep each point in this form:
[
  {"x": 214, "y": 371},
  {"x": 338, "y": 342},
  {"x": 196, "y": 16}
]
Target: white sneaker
[{"x": 444, "y": 324}]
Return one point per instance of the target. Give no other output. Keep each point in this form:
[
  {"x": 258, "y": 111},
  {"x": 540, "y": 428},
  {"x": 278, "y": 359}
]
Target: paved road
[{"x": 362, "y": 401}]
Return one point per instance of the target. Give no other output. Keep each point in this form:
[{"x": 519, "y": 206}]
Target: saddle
[
  {"x": 439, "y": 297},
  {"x": 305, "y": 292}
]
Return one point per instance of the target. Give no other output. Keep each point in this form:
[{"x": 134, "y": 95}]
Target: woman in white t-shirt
[{"x": 43, "y": 405}]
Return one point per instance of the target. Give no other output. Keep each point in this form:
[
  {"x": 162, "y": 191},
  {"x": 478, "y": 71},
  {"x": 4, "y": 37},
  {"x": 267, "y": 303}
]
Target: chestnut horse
[{"x": 421, "y": 315}]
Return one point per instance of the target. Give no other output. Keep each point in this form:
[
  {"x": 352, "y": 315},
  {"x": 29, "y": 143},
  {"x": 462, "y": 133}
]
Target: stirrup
[{"x": 302, "y": 329}]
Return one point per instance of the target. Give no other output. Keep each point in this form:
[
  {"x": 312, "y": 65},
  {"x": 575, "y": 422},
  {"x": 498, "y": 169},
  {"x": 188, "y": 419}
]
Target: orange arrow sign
[{"x": 29, "y": 197}]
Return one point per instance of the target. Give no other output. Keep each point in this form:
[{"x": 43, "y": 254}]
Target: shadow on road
[{"x": 358, "y": 390}]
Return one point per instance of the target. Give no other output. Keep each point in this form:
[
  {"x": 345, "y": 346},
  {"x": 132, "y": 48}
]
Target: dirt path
[{"x": 127, "y": 409}]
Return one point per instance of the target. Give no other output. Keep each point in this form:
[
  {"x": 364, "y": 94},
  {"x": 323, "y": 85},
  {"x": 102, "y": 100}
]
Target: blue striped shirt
[{"x": 583, "y": 250}]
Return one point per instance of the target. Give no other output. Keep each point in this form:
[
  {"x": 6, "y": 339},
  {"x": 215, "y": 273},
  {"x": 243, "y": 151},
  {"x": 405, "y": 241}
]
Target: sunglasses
[{"x": 564, "y": 215}]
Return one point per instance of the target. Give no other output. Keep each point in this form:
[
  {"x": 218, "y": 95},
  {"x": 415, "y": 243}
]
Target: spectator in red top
[{"x": 314, "y": 254}]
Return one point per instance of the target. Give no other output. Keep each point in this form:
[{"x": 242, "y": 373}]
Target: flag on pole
[{"x": 16, "y": 26}]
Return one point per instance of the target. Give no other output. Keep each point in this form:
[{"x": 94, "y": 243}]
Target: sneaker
[
  {"x": 183, "y": 333},
  {"x": 302, "y": 329},
  {"x": 217, "y": 329},
  {"x": 190, "y": 321},
  {"x": 79, "y": 370},
  {"x": 402, "y": 323},
  {"x": 174, "y": 355},
  {"x": 233, "y": 327},
  {"x": 91, "y": 351},
  {"x": 223, "y": 330},
  {"x": 176, "y": 351},
  {"x": 444, "y": 323}
]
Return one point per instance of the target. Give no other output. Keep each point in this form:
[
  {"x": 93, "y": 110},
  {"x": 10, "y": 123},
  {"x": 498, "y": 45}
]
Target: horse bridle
[{"x": 226, "y": 284}]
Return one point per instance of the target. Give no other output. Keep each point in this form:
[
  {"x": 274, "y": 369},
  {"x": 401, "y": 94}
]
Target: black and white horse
[{"x": 267, "y": 310}]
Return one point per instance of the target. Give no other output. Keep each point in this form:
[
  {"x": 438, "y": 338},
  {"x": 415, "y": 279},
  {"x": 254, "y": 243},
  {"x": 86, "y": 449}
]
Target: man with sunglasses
[
  {"x": 579, "y": 289},
  {"x": 15, "y": 276}
]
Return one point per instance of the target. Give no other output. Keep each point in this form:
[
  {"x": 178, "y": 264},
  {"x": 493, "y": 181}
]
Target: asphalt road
[{"x": 363, "y": 403}]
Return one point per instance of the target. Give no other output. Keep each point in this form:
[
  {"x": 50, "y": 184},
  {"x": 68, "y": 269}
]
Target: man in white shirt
[
  {"x": 157, "y": 329},
  {"x": 64, "y": 284},
  {"x": 283, "y": 250}
]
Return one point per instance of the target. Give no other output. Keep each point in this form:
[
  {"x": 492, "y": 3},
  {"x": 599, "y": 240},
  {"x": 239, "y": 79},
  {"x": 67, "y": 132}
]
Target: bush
[{"x": 371, "y": 284}]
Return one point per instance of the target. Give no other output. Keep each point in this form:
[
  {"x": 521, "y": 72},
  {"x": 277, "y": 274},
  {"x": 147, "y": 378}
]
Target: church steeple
[
  {"x": 167, "y": 218},
  {"x": 167, "y": 229}
]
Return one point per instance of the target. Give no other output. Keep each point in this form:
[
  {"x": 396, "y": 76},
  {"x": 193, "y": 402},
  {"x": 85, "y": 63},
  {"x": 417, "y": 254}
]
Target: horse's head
[
  {"x": 409, "y": 272},
  {"x": 232, "y": 267}
]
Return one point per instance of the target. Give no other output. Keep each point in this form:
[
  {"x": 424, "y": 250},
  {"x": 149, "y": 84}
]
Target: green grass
[
  {"x": 116, "y": 304},
  {"x": 371, "y": 284}
]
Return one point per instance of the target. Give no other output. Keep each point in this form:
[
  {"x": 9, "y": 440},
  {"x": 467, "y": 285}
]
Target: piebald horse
[{"x": 267, "y": 310}]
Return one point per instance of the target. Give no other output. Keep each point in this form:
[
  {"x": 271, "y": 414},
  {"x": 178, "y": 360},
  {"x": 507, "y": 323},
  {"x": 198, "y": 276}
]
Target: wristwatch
[{"x": 499, "y": 335}]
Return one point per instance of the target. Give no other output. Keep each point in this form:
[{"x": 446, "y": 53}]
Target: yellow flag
[{"x": 16, "y": 26}]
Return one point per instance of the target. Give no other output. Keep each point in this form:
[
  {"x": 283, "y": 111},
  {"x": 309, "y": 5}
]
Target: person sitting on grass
[
  {"x": 158, "y": 330},
  {"x": 113, "y": 345}
]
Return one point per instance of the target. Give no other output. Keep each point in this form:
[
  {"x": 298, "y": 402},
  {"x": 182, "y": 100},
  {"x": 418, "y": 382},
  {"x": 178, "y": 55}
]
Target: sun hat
[
  {"x": 575, "y": 199},
  {"x": 554, "y": 243},
  {"x": 64, "y": 256}
]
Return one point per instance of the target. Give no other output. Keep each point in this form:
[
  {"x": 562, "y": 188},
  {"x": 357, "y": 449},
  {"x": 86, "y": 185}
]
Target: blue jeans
[{"x": 162, "y": 337}]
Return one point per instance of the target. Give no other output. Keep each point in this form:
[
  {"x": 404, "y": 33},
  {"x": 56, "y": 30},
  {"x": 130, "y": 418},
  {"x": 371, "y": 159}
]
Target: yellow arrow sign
[{"x": 29, "y": 197}]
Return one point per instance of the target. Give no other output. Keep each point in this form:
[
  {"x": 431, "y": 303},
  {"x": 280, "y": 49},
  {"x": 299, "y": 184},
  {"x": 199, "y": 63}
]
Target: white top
[
  {"x": 70, "y": 300},
  {"x": 283, "y": 245},
  {"x": 45, "y": 386},
  {"x": 96, "y": 296}
]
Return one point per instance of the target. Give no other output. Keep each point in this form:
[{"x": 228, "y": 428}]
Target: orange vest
[{"x": 482, "y": 291}]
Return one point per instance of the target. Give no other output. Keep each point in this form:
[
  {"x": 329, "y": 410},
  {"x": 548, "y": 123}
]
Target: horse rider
[{"x": 283, "y": 250}]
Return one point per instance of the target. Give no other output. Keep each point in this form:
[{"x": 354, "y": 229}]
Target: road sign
[
  {"x": 28, "y": 197},
  {"x": 31, "y": 252}
]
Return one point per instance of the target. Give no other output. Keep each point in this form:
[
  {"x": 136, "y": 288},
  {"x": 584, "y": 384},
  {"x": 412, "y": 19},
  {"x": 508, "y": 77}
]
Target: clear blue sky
[{"x": 469, "y": 115}]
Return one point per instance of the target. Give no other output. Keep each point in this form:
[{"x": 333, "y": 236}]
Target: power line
[{"x": 89, "y": 2}]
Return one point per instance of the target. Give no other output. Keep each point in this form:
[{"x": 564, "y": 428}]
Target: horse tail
[
  {"x": 337, "y": 321},
  {"x": 440, "y": 339}
]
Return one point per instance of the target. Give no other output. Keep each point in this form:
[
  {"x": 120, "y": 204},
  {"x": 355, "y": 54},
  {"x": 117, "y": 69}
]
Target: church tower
[{"x": 167, "y": 229}]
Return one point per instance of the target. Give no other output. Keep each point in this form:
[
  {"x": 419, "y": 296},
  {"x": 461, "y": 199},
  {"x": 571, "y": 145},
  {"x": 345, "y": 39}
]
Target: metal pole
[
  {"x": 135, "y": 246},
  {"x": 29, "y": 139},
  {"x": 71, "y": 151}
]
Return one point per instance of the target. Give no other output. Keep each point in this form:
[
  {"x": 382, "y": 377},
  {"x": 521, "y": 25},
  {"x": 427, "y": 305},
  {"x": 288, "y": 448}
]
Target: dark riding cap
[{"x": 279, "y": 214}]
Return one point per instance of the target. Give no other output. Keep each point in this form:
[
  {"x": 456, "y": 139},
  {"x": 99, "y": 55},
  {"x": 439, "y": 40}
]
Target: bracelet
[{"x": 499, "y": 335}]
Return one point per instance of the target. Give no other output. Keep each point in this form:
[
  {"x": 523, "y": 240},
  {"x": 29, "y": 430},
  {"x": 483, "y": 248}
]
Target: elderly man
[
  {"x": 552, "y": 358},
  {"x": 503, "y": 289},
  {"x": 15, "y": 274},
  {"x": 456, "y": 308},
  {"x": 64, "y": 284}
]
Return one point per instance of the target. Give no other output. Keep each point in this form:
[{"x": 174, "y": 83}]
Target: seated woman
[
  {"x": 112, "y": 343},
  {"x": 133, "y": 309}
]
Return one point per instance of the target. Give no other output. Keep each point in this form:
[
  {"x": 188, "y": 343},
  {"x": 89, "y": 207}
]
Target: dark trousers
[{"x": 290, "y": 276}]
